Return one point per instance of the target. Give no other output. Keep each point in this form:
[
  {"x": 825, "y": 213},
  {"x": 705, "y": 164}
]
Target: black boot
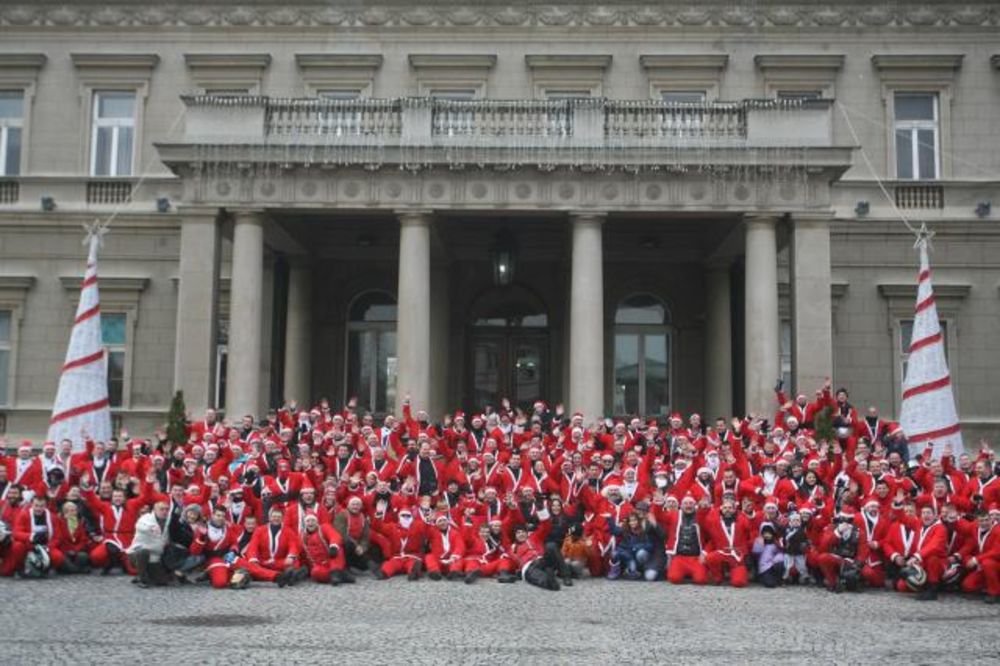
[
  {"x": 928, "y": 594},
  {"x": 345, "y": 576},
  {"x": 471, "y": 577},
  {"x": 282, "y": 579},
  {"x": 418, "y": 568}
]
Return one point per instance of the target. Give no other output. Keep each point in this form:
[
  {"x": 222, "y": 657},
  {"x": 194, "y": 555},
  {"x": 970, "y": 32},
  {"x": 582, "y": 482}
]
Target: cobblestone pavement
[{"x": 90, "y": 619}]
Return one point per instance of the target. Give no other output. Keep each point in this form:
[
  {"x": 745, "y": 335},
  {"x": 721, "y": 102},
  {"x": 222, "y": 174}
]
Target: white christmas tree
[
  {"x": 929, "y": 415},
  {"x": 82, "y": 405}
]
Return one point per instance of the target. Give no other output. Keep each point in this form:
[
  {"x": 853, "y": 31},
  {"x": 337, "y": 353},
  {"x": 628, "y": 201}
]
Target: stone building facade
[{"x": 627, "y": 207}]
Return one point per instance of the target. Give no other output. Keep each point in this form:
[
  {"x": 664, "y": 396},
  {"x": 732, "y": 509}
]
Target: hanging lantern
[{"x": 504, "y": 256}]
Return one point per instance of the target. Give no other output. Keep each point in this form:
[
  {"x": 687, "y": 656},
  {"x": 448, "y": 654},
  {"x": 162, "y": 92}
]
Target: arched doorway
[{"x": 509, "y": 344}]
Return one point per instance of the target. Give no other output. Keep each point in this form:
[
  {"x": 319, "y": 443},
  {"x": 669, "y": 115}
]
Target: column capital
[
  {"x": 415, "y": 216},
  {"x": 197, "y": 212},
  {"x": 247, "y": 215},
  {"x": 587, "y": 217},
  {"x": 817, "y": 218},
  {"x": 762, "y": 219}
]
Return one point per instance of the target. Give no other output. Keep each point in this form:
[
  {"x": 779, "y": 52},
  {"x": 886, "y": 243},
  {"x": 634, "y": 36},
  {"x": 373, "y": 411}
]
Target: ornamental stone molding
[{"x": 715, "y": 14}]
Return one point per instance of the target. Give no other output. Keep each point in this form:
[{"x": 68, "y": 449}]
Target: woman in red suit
[{"x": 73, "y": 540}]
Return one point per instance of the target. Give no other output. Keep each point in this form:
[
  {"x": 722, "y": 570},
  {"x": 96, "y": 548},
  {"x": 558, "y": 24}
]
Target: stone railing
[{"x": 421, "y": 131}]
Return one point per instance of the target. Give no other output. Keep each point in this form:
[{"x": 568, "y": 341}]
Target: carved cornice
[
  {"x": 716, "y": 61},
  {"x": 72, "y": 283},
  {"x": 568, "y": 61},
  {"x": 453, "y": 60},
  {"x": 773, "y": 62},
  {"x": 919, "y": 61},
  {"x": 723, "y": 14},
  {"x": 260, "y": 61},
  {"x": 115, "y": 60},
  {"x": 338, "y": 60},
  {"x": 23, "y": 60}
]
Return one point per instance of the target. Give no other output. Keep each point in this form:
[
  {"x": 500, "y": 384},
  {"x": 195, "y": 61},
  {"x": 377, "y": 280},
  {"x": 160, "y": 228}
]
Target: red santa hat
[
  {"x": 652, "y": 423},
  {"x": 577, "y": 415},
  {"x": 284, "y": 464},
  {"x": 704, "y": 470},
  {"x": 771, "y": 501},
  {"x": 688, "y": 496},
  {"x": 311, "y": 515},
  {"x": 189, "y": 459},
  {"x": 661, "y": 469},
  {"x": 49, "y": 446},
  {"x": 25, "y": 445},
  {"x": 807, "y": 507},
  {"x": 459, "y": 415},
  {"x": 995, "y": 509},
  {"x": 847, "y": 511},
  {"x": 307, "y": 486},
  {"x": 676, "y": 416}
]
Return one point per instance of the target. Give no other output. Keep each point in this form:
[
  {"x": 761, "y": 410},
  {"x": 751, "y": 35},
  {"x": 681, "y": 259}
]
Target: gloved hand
[{"x": 334, "y": 550}]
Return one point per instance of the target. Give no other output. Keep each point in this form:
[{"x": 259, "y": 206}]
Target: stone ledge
[
  {"x": 568, "y": 61},
  {"x": 118, "y": 284},
  {"x": 924, "y": 61},
  {"x": 717, "y": 61},
  {"x": 453, "y": 60},
  {"x": 228, "y": 60},
  {"x": 338, "y": 60},
  {"x": 115, "y": 60},
  {"x": 23, "y": 60},
  {"x": 804, "y": 61}
]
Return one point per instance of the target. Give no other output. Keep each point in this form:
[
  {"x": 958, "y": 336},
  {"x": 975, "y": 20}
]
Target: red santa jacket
[
  {"x": 732, "y": 539},
  {"x": 875, "y": 533},
  {"x": 404, "y": 541},
  {"x": 117, "y": 523},
  {"x": 72, "y": 541},
  {"x": 909, "y": 537},
  {"x": 983, "y": 546},
  {"x": 448, "y": 544},
  {"x": 24, "y": 527},
  {"x": 316, "y": 547},
  {"x": 215, "y": 543},
  {"x": 273, "y": 547}
]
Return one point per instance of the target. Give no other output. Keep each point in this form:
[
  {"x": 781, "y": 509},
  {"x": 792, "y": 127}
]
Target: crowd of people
[{"x": 536, "y": 495}]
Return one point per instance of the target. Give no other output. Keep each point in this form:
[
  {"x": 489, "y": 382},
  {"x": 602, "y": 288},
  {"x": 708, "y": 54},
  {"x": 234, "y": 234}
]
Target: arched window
[
  {"x": 642, "y": 356},
  {"x": 371, "y": 351}
]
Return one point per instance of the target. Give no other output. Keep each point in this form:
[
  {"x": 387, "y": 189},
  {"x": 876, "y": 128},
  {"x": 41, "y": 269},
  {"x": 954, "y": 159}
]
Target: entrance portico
[{"x": 654, "y": 231}]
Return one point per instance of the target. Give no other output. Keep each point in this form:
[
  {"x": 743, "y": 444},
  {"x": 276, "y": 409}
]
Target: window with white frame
[
  {"x": 642, "y": 344},
  {"x": 916, "y": 128},
  {"x": 6, "y": 319},
  {"x": 905, "y": 329},
  {"x": 112, "y": 142},
  {"x": 113, "y": 336},
  {"x": 371, "y": 351},
  {"x": 683, "y": 96},
  {"x": 11, "y": 128}
]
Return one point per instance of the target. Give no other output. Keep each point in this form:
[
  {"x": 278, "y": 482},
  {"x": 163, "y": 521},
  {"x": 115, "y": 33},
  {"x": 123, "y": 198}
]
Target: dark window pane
[
  {"x": 4, "y": 326},
  {"x": 116, "y": 377},
  {"x": 115, "y": 104},
  {"x": 626, "y": 393},
  {"x": 4, "y": 367},
  {"x": 657, "y": 373},
  {"x": 124, "y": 165},
  {"x": 12, "y": 160},
  {"x": 914, "y": 107},
  {"x": 102, "y": 152},
  {"x": 113, "y": 329},
  {"x": 486, "y": 373},
  {"x": 927, "y": 154},
  {"x": 373, "y": 306},
  {"x": 11, "y": 104},
  {"x": 904, "y": 155}
]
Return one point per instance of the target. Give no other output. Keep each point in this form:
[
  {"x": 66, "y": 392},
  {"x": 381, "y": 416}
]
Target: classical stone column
[
  {"x": 413, "y": 323},
  {"x": 586, "y": 304},
  {"x": 197, "y": 308},
  {"x": 298, "y": 334},
  {"x": 718, "y": 343},
  {"x": 761, "y": 300},
  {"x": 812, "y": 321},
  {"x": 245, "y": 320}
]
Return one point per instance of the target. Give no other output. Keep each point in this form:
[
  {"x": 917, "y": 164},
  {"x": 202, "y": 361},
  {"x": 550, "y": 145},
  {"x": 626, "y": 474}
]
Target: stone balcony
[
  {"x": 567, "y": 132},
  {"x": 565, "y": 153}
]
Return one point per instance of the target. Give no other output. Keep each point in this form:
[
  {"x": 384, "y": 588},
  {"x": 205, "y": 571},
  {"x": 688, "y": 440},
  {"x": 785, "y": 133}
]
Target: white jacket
[{"x": 149, "y": 536}]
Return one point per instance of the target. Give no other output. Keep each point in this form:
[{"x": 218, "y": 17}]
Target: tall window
[
  {"x": 113, "y": 134},
  {"x": 11, "y": 123},
  {"x": 785, "y": 352},
  {"x": 642, "y": 357},
  {"x": 221, "y": 361},
  {"x": 371, "y": 351},
  {"x": 5, "y": 345},
  {"x": 113, "y": 338},
  {"x": 917, "y": 136},
  {"x": 906, "y": 337}
]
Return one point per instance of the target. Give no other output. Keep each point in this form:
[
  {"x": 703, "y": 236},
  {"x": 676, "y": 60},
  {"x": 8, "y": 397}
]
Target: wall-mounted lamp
[
  {"x": 862, "y": 208},
  {"x": 984, "y": 208},
  {"x": 48, "y": 203},
  {"x": 163, "y": 205}
]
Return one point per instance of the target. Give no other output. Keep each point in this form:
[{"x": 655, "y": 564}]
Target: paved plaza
[{"x": 91, "y": 619}]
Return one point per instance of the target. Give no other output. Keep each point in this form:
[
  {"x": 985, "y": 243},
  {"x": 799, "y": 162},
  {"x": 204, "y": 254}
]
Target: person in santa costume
[
  {"x": 215, "y": 542},
  {"x": 447, "y": 549},
  {"x": 34, "y": 527},
  {"x": 729, "y": 539},
  {"x": 685, "y": 540},
  {"x": 73, "y": 539},
  {"x": 844, "y": 550},
  {"x": 355, "y": 530},
  {"x": 982, "y": 556},
  {"x": 323, "y": 552},
  {"x": 536, "y": 566},
  {"x": 273, "y": 554},
  {"x": 923, "y": 542},
  {"x": 406, "y": 546},
  {"x": 486, "y": 552},
  {"x": 117, "y": 519}
]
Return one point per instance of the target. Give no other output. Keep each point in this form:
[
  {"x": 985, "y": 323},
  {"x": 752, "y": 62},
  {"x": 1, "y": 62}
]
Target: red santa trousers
[
  {"x": 687, "y": 566},
  {"x": 399, "y": 564},
  {"x": 717, "y": 561},
  {"x": 987, "y": 577},
  {"x": 874, "y": 575},
  {"x": 934, "y": 566},
  {"x": 491, "y": 568}
]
